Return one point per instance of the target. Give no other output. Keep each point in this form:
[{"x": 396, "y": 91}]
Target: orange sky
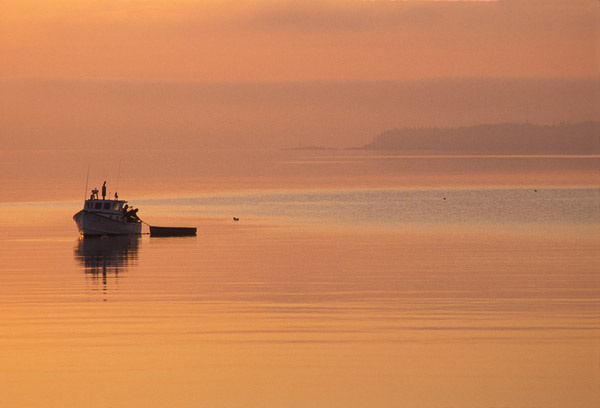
[
  {"x": 268, "y": 40},
  {"x": 220, "y": 73}
]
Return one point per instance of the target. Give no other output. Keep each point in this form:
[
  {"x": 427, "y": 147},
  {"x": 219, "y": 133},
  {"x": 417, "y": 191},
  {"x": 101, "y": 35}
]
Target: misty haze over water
[{"x": 70, "y": 114}]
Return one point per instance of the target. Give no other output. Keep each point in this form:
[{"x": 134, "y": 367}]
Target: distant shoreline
[
  {"x": 579, "y": 139},
  {"x": 582, "y": 138}
]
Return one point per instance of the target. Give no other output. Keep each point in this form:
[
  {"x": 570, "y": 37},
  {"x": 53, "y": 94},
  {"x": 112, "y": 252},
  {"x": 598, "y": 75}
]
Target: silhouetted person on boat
[
  {"x": 131, "y": 215},
  {"x": 94, "y": 195},
  {"x": 104, "y": 190}
]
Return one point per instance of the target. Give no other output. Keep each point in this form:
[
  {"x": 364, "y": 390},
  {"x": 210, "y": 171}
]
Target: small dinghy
[{"x": 172, "y": 231}]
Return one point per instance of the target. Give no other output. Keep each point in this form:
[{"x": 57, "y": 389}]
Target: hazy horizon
[{"x": 169, "y": 114}]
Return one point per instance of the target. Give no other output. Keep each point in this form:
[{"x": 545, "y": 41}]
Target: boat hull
[{"x": 91, "y": 224}]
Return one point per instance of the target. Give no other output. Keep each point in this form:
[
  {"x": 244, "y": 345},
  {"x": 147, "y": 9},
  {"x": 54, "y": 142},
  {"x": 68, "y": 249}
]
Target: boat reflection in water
[{"x": 105, "y": 257}]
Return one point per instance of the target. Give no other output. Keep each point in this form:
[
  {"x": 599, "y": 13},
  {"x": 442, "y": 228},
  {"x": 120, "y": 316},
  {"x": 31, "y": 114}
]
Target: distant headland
[{"x": 581, "y": 138}]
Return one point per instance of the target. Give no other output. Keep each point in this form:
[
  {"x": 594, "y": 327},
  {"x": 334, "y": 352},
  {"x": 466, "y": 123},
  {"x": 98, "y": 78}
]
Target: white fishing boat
[{"x": 102, "y": 216}]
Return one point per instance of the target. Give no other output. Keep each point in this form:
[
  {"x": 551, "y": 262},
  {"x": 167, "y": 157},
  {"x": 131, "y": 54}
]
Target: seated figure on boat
[{"x": 132, "y": 215}]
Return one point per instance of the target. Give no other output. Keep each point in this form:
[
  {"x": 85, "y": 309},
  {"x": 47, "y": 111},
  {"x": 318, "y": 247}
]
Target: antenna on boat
[
  {"x": 87, "y": 178},
  {"x": 118, "y": 176}
]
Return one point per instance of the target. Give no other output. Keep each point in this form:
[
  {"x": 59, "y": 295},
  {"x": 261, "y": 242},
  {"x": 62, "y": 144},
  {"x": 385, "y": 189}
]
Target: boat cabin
[
  {"x": 110, "y": 206},
  {"x": 113, "y": 209},
  {"x": 95, "y": 204}
]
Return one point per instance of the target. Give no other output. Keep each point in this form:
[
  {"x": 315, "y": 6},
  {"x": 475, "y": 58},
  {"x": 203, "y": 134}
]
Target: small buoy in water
[
  {"x": 535, "y": 191},
  {"x": 236, "y": 219},
  {"x": 444, "y": 198}
]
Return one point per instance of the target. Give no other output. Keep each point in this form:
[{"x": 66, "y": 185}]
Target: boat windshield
[{"x": 103, "y": 205}]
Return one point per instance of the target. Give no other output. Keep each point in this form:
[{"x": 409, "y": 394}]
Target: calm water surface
[
  {"x": 400, "y": 208},
  {"x": 353, "y": 298}
]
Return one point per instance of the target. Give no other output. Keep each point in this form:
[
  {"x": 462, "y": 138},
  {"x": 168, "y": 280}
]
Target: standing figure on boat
[{"x": 104, "y": 190}]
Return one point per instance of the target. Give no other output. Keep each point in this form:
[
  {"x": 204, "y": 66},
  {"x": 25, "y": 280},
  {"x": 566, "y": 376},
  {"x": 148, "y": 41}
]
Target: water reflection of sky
[{"x": 549, "y": 206}]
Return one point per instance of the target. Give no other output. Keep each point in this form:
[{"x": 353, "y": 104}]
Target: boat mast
[
  {"x": 86, "y": 185},
  {"x": 118, "y": 176}
]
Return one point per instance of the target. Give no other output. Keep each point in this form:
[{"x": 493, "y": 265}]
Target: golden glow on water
[
  {"x": 420, "y": 282},
  {"x": 250, "y": 315}
]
